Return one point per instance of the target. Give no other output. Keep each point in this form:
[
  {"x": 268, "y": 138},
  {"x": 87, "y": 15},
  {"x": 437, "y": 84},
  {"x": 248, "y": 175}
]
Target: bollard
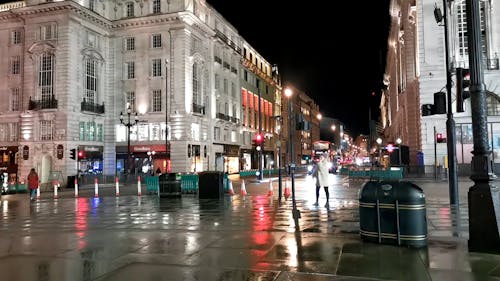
[
  {"x": 54, "y": 183},
  {"x": 38, "y": 192},
  {"x": 139, "y": 186},
  {"x": 96, "y": 188},
  {"x": 76, "y": 187},
  {"x": 117, "y": 184}
]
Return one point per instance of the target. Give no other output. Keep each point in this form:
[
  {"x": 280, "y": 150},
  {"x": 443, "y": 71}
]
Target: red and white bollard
[
  {"x": 139, "y": 186},
  {"x": 96, "y": 188},
  {"x": 55, "y": 184},
  {"x": 117, "y": 184},
  {"x": 76, "y": 187},
  {"x": 38, "y": 192}
]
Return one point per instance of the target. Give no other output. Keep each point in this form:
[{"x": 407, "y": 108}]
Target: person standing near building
[
  {"x": 322, "y": 180},
  {"x": 33, "y": 183}
]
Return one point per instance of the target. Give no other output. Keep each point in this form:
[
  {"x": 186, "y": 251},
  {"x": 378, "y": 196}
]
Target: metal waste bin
[
  {"x": 211, "y": 184},
  {"x": 170, "y": 185},
  {"x": 393, "y": 212}
]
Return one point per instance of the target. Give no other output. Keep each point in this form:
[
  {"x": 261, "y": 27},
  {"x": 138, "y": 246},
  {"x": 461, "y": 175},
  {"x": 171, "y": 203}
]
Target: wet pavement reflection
[{"x": 235, "y": 238}]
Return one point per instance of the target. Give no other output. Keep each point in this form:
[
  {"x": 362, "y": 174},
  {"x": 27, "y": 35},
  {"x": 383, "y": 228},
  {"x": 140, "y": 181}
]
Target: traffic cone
[
  {"x": 270, "y": 191},
  {"x": 287, "y": 189},
  {"x": 139, "y": 186},
  {"x": 96, "y": 188},
  {"x": 76, "y": 187},
  {"x": 231, "y": 190},
  {"x": 54, "y": 183},
  {"x": 243, "y": 190},
  {"x": 117, "y": 186}
]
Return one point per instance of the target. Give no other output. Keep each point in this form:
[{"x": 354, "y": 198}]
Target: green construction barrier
[
  {"x": 189, "y": 183},
  {"x": 152, "y": 184}
]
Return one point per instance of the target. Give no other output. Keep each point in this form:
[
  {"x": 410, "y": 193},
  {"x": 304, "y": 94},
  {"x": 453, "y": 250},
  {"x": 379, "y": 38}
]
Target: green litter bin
[{"x": 393, "y": 212}]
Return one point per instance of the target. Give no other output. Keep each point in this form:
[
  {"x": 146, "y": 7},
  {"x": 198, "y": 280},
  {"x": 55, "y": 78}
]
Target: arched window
[{"x": 492, "y": 104}]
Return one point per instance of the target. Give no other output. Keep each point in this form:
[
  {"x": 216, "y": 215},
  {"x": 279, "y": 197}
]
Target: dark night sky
[{"x": 333, "y": 51}]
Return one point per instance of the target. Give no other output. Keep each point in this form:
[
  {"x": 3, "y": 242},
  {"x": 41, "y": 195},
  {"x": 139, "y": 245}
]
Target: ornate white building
[
  {"x": 71, "y": 68},
  {"x": 415, "y": 70}
]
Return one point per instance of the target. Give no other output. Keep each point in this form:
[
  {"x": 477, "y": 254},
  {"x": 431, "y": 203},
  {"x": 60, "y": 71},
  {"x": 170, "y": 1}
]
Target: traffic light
[
  {"x": 463, "y": 83},
  {"x": 72, "y": 153},
  {"x": 81, "y": 154},
  {"x": 259, "y": 141},
  {"x": 439, "y": 138},
  {"x": 439, "y": 106}
]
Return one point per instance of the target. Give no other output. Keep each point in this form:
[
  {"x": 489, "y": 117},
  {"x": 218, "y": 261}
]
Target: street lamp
[
  {"x": 398, "y": 141},
  {"x": 295, "y": 212},
  {"x": 379, "y": 142},
  {"x": 278, "y": 146},
  {"x": 150, "y": 155},
  {"x": 129, "y": 124}
]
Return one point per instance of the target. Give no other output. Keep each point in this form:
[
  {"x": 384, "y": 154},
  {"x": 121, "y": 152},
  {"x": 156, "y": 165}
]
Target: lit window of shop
[
  {"x": 91, "y": 131},
  {"x": 82, "y": 131},
  {"x": 99, "y": 132},
  {"x": 121, "y": 133},
  {"x": 142, "y": 132},
  {"x": 133, "y": 133},
  {"x": 155, "y": 131}
]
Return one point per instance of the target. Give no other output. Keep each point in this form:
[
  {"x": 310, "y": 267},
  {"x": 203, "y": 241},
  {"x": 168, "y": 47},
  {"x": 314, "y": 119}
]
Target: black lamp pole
[
  {"x": 295, "y": 212},
  {"x": 129, "y": 124},
  {"x": 167, "y": 142}
]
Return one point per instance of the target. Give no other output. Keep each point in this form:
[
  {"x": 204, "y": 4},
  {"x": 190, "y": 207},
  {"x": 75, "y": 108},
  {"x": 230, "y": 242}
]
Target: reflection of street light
[
  {"x": 128, "y": 125},
  {"x": 398, "y": 141},
  {"x": 295, "y": 212}
]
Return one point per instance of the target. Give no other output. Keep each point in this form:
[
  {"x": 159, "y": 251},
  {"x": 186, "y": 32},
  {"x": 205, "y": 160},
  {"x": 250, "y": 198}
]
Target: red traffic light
[
  {"x": 81, "y": 154},
  {"x": 439, "y": 138},
  {"x": 390, "y": 147},
  {"x": 259, "y": 138}
]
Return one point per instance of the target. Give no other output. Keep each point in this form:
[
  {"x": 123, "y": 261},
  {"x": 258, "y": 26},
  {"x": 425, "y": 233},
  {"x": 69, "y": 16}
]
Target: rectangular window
[
  {"x": 156, "y": 41},
  {"x": 14, "y": 132},
  {"x": 217, "y": 81},
  {"x": 156, "y": 71},
  {"x": 90, "y": 80},
  {"x": 130, "y": 44},
  {"x": 45, "y": 77},
  {"x": 99, "y": 132},
  {"x": 216, "y": 133},
  {"x": 156, "y": 6},
  {"x": 82, "y": 131},
  {"x": 15, "y": 99},
  {"x": 46, "y": 128},
  {"x": 130, "y": 100},
  {"x": 15, "y": 65},
  {"x": 130, "y": 70},
  {"x": 156, "y": 100},
  {"x": 15, "y": 37},
  {"x": 233, "y": 90},
  {"x": 91, "y": 131},
  {"x": 225, "y": 86},
  {"x": 48, "y": 32},
  {"x": 195, "y": 131},
  {"x": 130, "y": 9}
]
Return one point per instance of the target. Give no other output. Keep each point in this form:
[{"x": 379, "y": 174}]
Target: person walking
[
  {"x": 33, "y": 183},
  {"x": 322, "y": 179}
]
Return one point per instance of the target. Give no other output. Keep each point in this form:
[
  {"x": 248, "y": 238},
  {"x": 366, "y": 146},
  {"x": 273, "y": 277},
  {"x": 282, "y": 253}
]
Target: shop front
[
  {"x": 144, "y": 159},
  {"x": 230, "y": 158},
  {"x": 8, "y": 163},
  {"x": 90, "y": 160}
]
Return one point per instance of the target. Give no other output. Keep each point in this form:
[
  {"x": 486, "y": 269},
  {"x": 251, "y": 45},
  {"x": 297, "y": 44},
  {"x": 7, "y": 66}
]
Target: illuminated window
[
  {"x": 130, "y": 100},
  {"x": 45, "y": 77}
]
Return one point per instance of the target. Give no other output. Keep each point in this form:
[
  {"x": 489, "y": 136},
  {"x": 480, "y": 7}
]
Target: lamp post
[
  {"x": 167, "y": 143},
  {"x": 399, "y": 141},
  {"x": 295, "y": 212},
  {"x": 379, "y": 142},
  {"x": 129, "y": 124},
  {"x": 278, "y": 146},
  {"x": 150, "y": 155}
]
